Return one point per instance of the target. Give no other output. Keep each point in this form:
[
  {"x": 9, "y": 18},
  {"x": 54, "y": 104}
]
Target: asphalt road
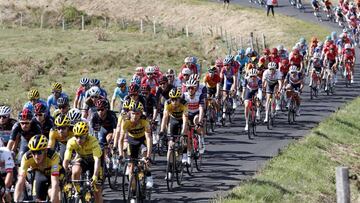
[{"x": 230, "y": 156}]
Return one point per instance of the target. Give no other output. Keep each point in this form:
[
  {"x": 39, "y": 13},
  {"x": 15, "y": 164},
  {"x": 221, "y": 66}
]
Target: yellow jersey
[
  {"x": 136, "y": 131},
  {"x": 176, "y": 111},
  {"x": 50, "y": 165},
  {"x": 90, "y": 148},
  {"x": 123, "y": 116},
  {"x": 54, "y": 136}
]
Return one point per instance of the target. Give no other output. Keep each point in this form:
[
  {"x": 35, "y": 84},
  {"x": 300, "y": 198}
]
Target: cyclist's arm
[
  {"x": 185, "y": 119},
  {"x": 55, "y": 189},
  {"x": 19, "y": 187},
  {"x": 165, "y": 121},
  {"x": 67, "y": 154},
  {"x": 96, "y": 155},
  {"x": 113, "y": 99},
  {"x": 148, "y": 140},
  {"x": 52, "y": 140},
  {"x": 122, "y": 137},
  {"x": 233, "y": 86}
]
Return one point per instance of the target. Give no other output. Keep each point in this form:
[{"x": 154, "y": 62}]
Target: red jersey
[
  {"x": 284, "y": 69},
  {"x": 348, "y": 54},
  {"x": 153, "y": 83},
  {"x": 295, "y": 60},
  {"x": 80, "y": 91},
  {"x": 192, "y": 67},
  {"x": 331, "y": 56},
  {"x": 275, "y": 59}
]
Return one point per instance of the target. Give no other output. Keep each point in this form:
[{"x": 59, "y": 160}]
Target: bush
[{"x": 71, "y": 14}]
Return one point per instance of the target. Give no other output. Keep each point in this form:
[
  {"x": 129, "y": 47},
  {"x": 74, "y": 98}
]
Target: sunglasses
[
  {"x": 191, "y": 88},
  {"x": 150, "y": 74},
  {"x": 101, "y": 109},
  {"x": 24, "y": 123},
  {"x": 61, "y": 127},
  {"x": 170, "y": 76},
  {"x": 63, "y": 106},
  {"x": 132, "y": 95},
  {"x": 121, "y": 86},
  {"x": 144, "y": 92},
  {"x": 80, "y": 137},
  {"x": 3, "y": 117},
  {"x": 174, "y": 99},
  {"x": 39, "y": 152},
  {"x": 94, "y": 97},
  {"x": 163, "y": 83},
  {"x": 186, "y": 75},
  {"x": 55, "y": 92},
  {"x": 39, "y": 114}
]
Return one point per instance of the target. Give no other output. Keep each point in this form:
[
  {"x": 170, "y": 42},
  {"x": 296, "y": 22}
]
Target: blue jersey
[
  {"x": 119, "y": 93},
  {"x": 51, "y": 101},
  {"x": 242, "y": 60},
  {"x": 30, "y": 106}
]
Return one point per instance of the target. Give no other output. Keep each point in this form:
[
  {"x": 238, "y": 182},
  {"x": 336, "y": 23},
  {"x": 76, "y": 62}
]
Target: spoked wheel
[
  {"x": 133, "y": 190},
  {"x": 252, "y": 124},
  {"x": 114, "y": 180},
  {"x": 190, "y": 167},
  {"x": 269, "y": 117},
  {"x": 170, "y": 172},
  {"x": 125, "y": 180},
  {"x": 179, "y": 172},
  {"x": 291, "y": 113},
  {"x": 197, "y": 156}
]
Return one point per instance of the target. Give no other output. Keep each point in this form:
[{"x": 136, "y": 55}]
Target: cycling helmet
[
  {"x": 352, "y": 18},
  {"x": 62, "y": 101},
  {"x": 219, "y": 62},
  {"x": 136, "y": 106},
  {"x": 170, "y": 72},
  {"x": 296, "y": 51},
  {"x": 81, "y": 128},
  {"x": 149, "y": 70},
  {"x": 333, "y": 35},
  {"x": 320, "y": 44},
  {"x": 193, "y": 59},
  {"x": 121, "y": 81},
  {"x": 33, "y": 94},
  {"x": 347, "y": 46},
  {"x": 84, "y": 81},
  {"x": 191, "y": 83},
  {"x": 253, "y": 72},
  {"x": 187, "y": 60},
  {"x": 126, "y": 104},
  {"x": 317, "y": 55},
  {"x": 136, "y": 79},
  {"x": 175, "y": 93},
  {"x": 57, "y": 87},
  {"x": 262, "y": 61},
  {"x": 139, "y": 70},
  {"x": 5, "y": 110},
  {"x": 25, "y": 114},
  {"x": 228, "y": 59},
  {"x": 94, "y": 82},
  {"x": 212, "y": 69},
  {"x": 285, "y": 61},
  {"x": 314, "y": 40},
  {"x": 163, "y": 79},
  {"x": 345, "y": 35},
  {"x": 102, "y": 104},
  {"x": 248, "y": 51},
  {"x": 186, "y": 71},
  {"x": 195, "y": 77},
  {"x": 145, "y": 88},
  {"x": 94, "y": 91},
  {"x": 272, "y": 66},
  {"x": 274, "y": 51},
  {"x": 351, "y": 5},
  {"x": 241, "y": 52},
  {"x": 156, "y": 69},
  {"x": 134, "y": 88},
  {"x": 74, "y": 114},
  {"x": 40, "y": 108},
  {"x": 266, "y": 51},
  {"x": 56, "y": 113},
  {"x": 293, "y": 69},
  {"x": 302, "y": 41},
  {"x": 280, "y": 47},
  {"x": 62, "y": 121},
  {"x": 38, "y": 142},
  {"x": 328, "y": 38}
]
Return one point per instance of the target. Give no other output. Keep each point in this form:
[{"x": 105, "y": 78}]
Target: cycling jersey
[
  {"x": 6, "y": 160},
  {"x": 242, "y": 60},
  {"x": 47, "y": 125},
  {"x": 52, "y": 101},
  {"x": 17, "y": 131},
  {"x": 153, "y": 83},
  {"x": 211, "y": 82},
  {"x": 137, "y": 130},
  {"x": 151, "y": 104},
  {"x": 283, "y": 54},
  {"x": 80, "y": 92},
  {"x": 123, "y": 116},
  {"x": 252, "y": 84},
  {"x": 54, "y": 136},
  {"x": 290, "y": 79},
  {"x": 295, "y": 60},
  {"x": 271, "y": 78},
  {"x": 275, "y": 59},
  {"x": 103, "y": 93},
  {"x": 316, "y": 63},
  {"x": 176, "y": 111},
  {"x": 140, "y": 99},
  {"x": 227, "y": 77},
  {"x": 90, "y": 148},
  {"x": 284, "y": 69},
  {"x": 29, "y": 105},
  {"x": 119, "y": 93},
  {"x": 163, "y": 94},
  {"x": 50, "y": 165},
  {"x": 109, "y": 122},
  {"x": 331, "y": 56},
  {"x": 8, "y": 126},
  {"x": 192, "y": 67},
  {"x": 194, "y": 103}
]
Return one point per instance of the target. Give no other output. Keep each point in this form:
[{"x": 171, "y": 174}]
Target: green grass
[{"x": 305, "y": 170}]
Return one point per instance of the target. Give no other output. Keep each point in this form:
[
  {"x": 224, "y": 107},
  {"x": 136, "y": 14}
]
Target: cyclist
[
  {"x": 296, "y": 59},
  {"x": 80, "y": 92},
  {"x": 6, "y": 122},
  {"x": 316, "y": 6},
  {"x": 139, "y": 71},
  {"x": 119, "y": 92},
  {"x": 251, "y": 86},
  {"x": 175, "y": 119},
  {"x": 94, "y": 94},
  {"x": 185, "y": 75},
  {"x": 96, "y": 83},
  {"x": 124, "y": 115},
  {"x": 46, "y": 122},
  {"x": 158, "y": 73},
  {"x": 188, "y": 63},
  {"x": 313, "y": 45},
  {"x": 294, "y": 81},
  {"x": 134, "y": 91},
  {"x": 138, "y": 130},
  {"x": 56, "y": 94},
  {"x": 348, "y": 54},
  {"x": 45, "y": 163},
  {"x": 228, "y": 79},
  {"x": 282, "y": 52},
  {"x": 173, "y": 80},
  {"x": 195, "y": 98},
  {"x": 60, "y": 134},
  {"x": 150, "y": 79},
  {"x": 271, "y": 83},
  {"x": 22, "y": 131},
  {"x": 212, "y": 82},
  {"x": 330, "y": 63},
  {"x": 103, "y": 122},
  {"x": 63, "y": 106},
  {"x": 316, "y": 69},
  {"x": 162, "y": 94},
  {"x": 6, "y": 171},
  {"x": 34, "y": 98},
  {"x": 136, "y": 80},
  {"x": 274, "y": 57},
  {"x": 75, "y": 116},
  {"x": 151, "y": 102},
  {"x": 88, "y": 157}
]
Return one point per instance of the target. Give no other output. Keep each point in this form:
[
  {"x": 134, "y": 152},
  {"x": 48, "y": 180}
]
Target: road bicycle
[
  {"x": 292, "y": 108},
  {"x": 137, "y": 184},
  {"x": 252, "y": 108}
]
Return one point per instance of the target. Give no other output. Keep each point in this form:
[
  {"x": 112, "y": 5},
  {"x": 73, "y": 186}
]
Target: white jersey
[
  {"x": 6, "y": 160},
  {"x": 193, "y": 103},
  {"x": 270, "y": 78}
]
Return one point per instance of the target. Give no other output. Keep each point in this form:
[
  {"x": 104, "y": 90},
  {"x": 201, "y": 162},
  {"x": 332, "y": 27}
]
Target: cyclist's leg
[{"x": 41, "y": 186}]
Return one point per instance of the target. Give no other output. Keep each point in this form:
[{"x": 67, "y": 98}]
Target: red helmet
[
  {"x": 296, "y": 51},
  {"x": 145, "y": 88},
  {"x": 25, "y": 114},
  {"x": 266, "y": 51},
  {"x": 157, "y": 69},
  {"x": 140, "y": 71},
  {"x": 134, "y": 88},
  {"x": 40, "y": 108},
  {"x": 219, "y": 62},
  {"x": 285, "y": 62},
  {"x": 274, "y": 51},
  {"x": 102, "y": 104},
  {"x": 262, "y": 60}
]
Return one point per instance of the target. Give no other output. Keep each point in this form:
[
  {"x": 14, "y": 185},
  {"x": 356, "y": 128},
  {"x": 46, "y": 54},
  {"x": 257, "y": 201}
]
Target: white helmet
[
  {"x": 317, "y": 55},
  {"x": 94, "y": 91},
  {"x": 186, "y": 71},
  {"x": 248, "y": 51},
  {"x": 293, "y": 69},
  {"x": 150, "y": 69},
  {"x": 74, "y": 115},
  {"x": 272, "y": 65},
  {"x": 5, "y": 110},
  {"x": 191, "y": 83},
  {"x": 348, "y": 46},
  {"x": 188, "y": 60},
  {"x": 280, "y": 47},
  {"x": 195, "y": 77},
  {"x": 253, "y": 72}
]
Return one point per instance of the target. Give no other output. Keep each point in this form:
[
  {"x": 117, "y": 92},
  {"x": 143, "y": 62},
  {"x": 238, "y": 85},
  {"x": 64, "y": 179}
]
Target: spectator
[
  {"x": 226, "y": 4},
  {"x": 270, "y": 5}
]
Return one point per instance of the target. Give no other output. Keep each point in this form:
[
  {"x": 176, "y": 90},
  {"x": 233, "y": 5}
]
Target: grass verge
[{"x": 305, "y": 170}]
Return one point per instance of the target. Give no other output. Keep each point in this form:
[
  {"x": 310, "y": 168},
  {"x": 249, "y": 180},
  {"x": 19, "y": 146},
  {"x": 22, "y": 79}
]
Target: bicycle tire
[
  {"x": 311, "y": 93},
  {"x": 115, "y": 182},
  {"x": 251, "y": 117},
  {"x": 290, "y": 112},
  {"x": 268, "y": 124},
  {"x": 124, "y": 179},
  {"x": 179, "y": 172},
  {"x": 130, "y": 194},
  {"x": 190, "y": 167},
  {"x": 170, "y": 168}
]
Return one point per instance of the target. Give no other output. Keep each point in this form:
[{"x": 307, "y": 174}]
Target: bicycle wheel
[
  {"x": 170, "y": 169},
  {"x": 133, "y": 190},
  {"x": 125, "y": 181},
  {"x": 290, "y": 111},
  {"x": 190, "y": 167},
  {"x": 179, "y": 170},
  {"x": 311, "y": 93},
  {"x": 114, "y": 180},
  {"x": 251, "y": 120},
  {"x": 268, "y": 124}
]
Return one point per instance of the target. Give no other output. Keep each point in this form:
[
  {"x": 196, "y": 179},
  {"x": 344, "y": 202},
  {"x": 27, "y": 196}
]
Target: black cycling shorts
[
  {"x": 211, "y": 91},
  {"x": 249, "y": 94},
  {"x": 88, "y": 164},
  {"x": 270, "y": 88},
  {"x": 175, "y": 126},
  {"x": 226, "y": 1},
  {"x": 41, "y": 185},
  {"x": 135, "y": 146}
]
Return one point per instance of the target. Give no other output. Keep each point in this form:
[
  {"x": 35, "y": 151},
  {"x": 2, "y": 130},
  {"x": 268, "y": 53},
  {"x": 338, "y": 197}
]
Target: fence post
[
  {"x": 21, "y": 19},
  {"x": 252, "y": 40},
  {"x": 187, "y": 30},
  {"x": 141, "y": 26},
  {"x": 63, "y": 23},
  {"x": 263, "y": 40},
  {"x": 342, "y": 185},
  {"x": 82, "y": 23},
  {"x": 221, "y": 32},
  {"x": 41, "y": 20},
  {"x": 154, "y": 27},
  {"x": 257, "y": 45}
]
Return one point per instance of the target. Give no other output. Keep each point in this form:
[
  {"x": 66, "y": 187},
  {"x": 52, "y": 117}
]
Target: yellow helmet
[
  {"x": 62, "y": 120},
  {"x": 81, "y": 128},
  {"x": 33, "y": 94},
  {"x": 175, "y": 93},
  {"x": 136, "y": 106},
  {"x": 38, "y": 142},
  {"x": 126, "y": 104},
  {"x": 56, "y": 87}
]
